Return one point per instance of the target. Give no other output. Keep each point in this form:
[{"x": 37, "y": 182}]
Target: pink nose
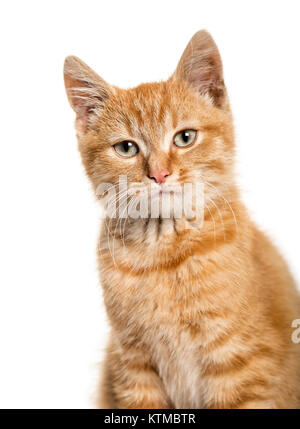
[{"x": 159, "y": 176}]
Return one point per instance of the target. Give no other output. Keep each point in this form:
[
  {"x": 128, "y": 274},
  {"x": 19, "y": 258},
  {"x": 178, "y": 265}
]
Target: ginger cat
[{"x": 201, "y": 310}]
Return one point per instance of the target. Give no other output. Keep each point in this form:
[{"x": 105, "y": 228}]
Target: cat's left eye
[{"x": 185, "y": 138}]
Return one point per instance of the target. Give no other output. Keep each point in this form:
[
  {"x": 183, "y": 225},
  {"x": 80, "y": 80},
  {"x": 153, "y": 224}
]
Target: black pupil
[
  {"x": 185, "y": 136},
  {"x": 127, "y": 146}
]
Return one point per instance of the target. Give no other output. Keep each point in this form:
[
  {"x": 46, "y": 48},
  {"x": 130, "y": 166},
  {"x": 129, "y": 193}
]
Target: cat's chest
[
  {"x": 175, "y": 350},
  {"x": 158, "y": 311},
  {"x": 178, "y": 362}
]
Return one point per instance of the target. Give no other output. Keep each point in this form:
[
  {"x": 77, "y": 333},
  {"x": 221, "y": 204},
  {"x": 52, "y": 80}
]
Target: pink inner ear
[
  {"x": 206, "y": 77},
  {"x": 82, "y": 103},
  {"x": 82, "y": 118},
  {"x": 85, "y": 100}
]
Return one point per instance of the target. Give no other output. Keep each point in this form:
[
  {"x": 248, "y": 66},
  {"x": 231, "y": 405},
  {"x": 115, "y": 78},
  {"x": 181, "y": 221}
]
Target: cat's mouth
[
  {"x": 165, "y": 200},
  {"x": 167, "y": 189}
]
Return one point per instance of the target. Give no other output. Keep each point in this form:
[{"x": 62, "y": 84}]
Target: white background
[{"x": 52, "y": 322}]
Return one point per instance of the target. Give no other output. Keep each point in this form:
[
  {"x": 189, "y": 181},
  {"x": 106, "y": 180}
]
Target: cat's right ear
[{"x": 87, "y": 92}]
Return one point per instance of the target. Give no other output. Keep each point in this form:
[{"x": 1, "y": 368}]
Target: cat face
[{"x": 159, "y": 136}]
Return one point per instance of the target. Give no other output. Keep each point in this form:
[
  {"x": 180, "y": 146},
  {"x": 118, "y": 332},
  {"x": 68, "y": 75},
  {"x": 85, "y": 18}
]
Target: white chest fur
[{"x": 179, "y": 366}]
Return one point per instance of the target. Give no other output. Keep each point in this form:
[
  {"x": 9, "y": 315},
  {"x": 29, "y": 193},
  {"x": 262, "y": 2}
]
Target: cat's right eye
[{"x": 126, "y": 149}]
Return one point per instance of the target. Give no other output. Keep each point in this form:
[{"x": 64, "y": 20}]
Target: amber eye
[
  {"x": 126, "y": 149},
  {"x": 185, "y": 138}
]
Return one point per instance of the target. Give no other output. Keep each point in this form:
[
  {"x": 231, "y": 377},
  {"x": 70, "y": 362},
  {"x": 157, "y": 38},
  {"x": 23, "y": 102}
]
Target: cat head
[{"x": 156, "y": 134}]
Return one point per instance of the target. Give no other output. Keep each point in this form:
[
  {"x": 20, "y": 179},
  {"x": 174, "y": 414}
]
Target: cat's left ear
[
  {"x": 87, "y": 92},
  {"x": 201, "y": 68}
]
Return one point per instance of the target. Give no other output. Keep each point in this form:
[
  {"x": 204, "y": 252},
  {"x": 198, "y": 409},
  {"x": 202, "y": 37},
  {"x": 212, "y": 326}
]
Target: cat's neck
[{"x": 150, "y": 231}]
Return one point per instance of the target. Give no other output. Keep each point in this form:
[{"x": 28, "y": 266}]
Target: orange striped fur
[{"x": 200, "y": 317}]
